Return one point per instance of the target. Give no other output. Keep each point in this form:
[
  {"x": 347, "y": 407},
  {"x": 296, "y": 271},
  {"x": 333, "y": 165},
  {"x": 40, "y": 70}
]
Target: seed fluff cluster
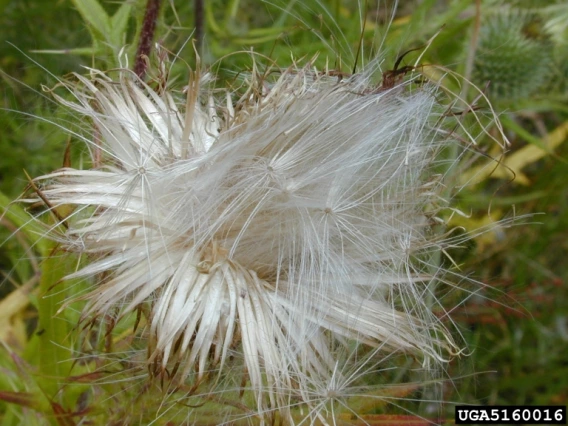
[{"x": 260, "y": 233}]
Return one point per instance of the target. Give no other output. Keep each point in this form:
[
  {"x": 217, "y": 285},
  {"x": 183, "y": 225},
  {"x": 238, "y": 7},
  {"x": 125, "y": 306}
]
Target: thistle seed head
[{"x": 271, "y": 233}]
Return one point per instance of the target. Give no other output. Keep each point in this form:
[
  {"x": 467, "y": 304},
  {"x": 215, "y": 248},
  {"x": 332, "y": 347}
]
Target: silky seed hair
[{"x": 265, "y": 236}]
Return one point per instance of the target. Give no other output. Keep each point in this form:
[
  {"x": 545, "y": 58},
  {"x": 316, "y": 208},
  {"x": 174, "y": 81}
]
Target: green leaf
[
  {"x": 94, "y": 15},
  {"x": 119, "y": 25},
  {"x": 24, "y": 222},
  {"x": 211, "y": 22},
  {"x": 84, "y": 51},
  {"x": 256, "y": 40}
]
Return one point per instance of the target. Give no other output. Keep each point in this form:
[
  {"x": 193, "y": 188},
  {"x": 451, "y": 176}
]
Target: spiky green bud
[{"x": 514, "y": 55}]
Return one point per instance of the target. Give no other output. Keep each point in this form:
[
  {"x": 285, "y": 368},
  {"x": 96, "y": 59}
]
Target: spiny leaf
[
  {"x": 119, "y": 24},
  {"x": 94, "y": 14}
]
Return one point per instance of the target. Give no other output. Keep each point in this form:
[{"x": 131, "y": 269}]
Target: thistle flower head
[{"x": 264, "y": 234}]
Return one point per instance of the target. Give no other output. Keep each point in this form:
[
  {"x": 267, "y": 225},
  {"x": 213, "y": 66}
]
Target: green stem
[{"x": 55, "y": 355}]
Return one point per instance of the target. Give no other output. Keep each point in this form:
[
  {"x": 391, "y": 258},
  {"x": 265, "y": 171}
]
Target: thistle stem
[{"x": 146, "y": 37}]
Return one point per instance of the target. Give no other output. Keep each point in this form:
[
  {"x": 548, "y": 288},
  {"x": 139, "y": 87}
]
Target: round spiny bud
[{"x": 514, "y": 55}]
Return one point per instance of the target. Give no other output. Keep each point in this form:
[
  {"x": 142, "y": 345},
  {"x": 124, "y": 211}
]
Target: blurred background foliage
[{"x": 516, "y": 326}]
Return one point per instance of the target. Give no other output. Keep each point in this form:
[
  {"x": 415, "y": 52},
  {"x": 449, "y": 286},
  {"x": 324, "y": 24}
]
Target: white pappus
[{"x": 272, "y": 233}]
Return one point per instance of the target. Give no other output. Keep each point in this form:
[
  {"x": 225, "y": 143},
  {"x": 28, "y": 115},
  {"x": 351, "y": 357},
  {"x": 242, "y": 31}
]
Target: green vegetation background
[{"x": 516, "y": 329}]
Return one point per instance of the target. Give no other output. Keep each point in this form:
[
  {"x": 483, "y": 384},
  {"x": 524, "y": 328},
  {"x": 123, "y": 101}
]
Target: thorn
[
  {"x": 53, "y": 211},
  {"x": 67, "y": 154}
]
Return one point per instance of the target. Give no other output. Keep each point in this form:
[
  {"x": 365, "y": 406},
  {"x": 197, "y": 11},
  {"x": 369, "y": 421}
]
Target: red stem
[{"x": 146, "y": 37}]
